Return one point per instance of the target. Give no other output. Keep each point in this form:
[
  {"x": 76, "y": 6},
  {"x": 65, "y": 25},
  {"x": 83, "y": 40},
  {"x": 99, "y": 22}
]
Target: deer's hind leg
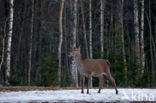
[
  {"x": 82, "y": 83},
  {"x": 113, "y": 82},
  {"x": 101, "y": 82},
  {"x": 87, "y": 85}
]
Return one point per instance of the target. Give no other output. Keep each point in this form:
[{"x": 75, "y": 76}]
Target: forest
[{"x": 36, "y": 37}]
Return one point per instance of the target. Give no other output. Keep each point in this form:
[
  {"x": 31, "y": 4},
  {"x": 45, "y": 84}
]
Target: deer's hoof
[
  {"x": 116, "y": 92},
  {"x": 82, "y": 92}
]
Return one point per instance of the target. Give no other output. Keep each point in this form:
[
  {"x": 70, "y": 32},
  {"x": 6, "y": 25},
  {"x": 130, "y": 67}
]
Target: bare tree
[
  {"x": 152, "y": 46},
  {"x": 8, "y": 57},
  {"x": 90, "y": 37},
  {"x": 90, "y": 29},
  {"x": 3, "y": 49},
  {"x": 84, "y": 30},
  {"x": 136, "y": 31},
  {"x": 31, "y": 38},
  {"x": 102, "y": 27},
  {"x": 60, "y": 42},
  {"x": 142, "y": 52},
  {"x": 122, "y": 36},
  {"x": 73, "y": 65},
  {"x": 3, "y": 45}
]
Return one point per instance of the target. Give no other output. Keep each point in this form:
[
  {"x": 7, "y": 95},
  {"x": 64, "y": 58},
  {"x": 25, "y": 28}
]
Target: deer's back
[{"x": 96, "y": 66}]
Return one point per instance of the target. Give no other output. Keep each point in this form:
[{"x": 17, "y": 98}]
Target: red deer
[{"x": 92, "y": 68}]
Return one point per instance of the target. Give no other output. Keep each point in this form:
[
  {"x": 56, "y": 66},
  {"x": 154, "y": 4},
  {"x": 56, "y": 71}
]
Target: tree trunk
[
  {"x": 3, "y": 45},
  {"x": 60, "y": 42},
  {"x": 136, "y": 31},
  {"x": 73, "y": 66},
  {"x": 8, "y": 55},
  {"x": 152, "y": 47},
  {"x": 84, "y": 30},
  {"x": 122, "y": 38},
  {"x": 142, "y": 52},
  {"x": 102, "y": 27},
  {"x": 30, "y": 49},
  {"x": 3, "y": 50},
  {"x": 90, "y": 29},
  {"x": 90, "y": 37}
]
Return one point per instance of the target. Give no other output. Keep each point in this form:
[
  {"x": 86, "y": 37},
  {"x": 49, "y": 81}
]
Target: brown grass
[{"x": 29, "y": 88}]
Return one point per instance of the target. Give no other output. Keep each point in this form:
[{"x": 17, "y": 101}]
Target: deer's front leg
[
  {"x": 83, "y": 82},
  {"x": 88, "y": 83},
  {"x": 101, "y": 82}
]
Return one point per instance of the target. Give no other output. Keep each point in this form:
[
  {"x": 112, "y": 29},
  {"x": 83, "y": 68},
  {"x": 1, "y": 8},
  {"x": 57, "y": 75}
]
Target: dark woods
[{"x": 122, "y": 31}]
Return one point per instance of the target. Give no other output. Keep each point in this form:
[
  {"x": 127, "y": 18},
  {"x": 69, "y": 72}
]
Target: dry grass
[{"x": 29, "y": 88}]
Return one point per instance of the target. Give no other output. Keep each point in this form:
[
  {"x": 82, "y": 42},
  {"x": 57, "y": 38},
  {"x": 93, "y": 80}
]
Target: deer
[{"x": 88, "y": 68}]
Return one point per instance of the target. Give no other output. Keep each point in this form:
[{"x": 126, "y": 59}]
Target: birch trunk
[
  {"x": 30, "y": 49},
  {"x": 142, "y": 52},
  {"x": 73, "y": 66},
  {"x": 90, "y": 29},
  {"x": 136, "y": 31},
  {"x": 90, "y": 37},
  {"x": 10, "y": 33},
  {"x": 102, "y": 27},
  {"x": 60, "y": 42}
]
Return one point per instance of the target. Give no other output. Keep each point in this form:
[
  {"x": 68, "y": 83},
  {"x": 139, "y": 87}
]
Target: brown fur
[
  {"x": 95, "y": 66},
  {"x": 92, "y": 68}
]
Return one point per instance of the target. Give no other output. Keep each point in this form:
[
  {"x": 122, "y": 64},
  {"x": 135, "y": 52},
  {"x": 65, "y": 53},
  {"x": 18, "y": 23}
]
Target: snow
[{"x": 106, "y": 95}]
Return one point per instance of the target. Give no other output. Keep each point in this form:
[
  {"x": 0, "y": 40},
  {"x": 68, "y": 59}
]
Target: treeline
[{"x": 36, "y": 37}]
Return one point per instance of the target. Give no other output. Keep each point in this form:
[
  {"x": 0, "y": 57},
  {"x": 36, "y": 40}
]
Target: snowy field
[{"x": 69, "y": 96}]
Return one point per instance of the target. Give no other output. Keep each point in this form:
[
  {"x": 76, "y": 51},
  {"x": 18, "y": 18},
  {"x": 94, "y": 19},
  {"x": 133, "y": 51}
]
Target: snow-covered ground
[{"x": 107, "y": 95}]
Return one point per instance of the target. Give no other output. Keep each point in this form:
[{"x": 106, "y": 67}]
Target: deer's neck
[
  {"x": 80, "y": 65},
  {"x": 78, "y": 60}
]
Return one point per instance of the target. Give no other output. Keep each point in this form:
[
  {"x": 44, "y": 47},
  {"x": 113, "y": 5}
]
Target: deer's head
[{"x": 76, "y": 52}]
